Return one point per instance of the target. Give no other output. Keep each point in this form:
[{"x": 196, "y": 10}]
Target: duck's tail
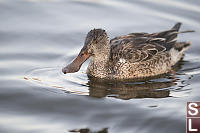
[
  {"x": 178, "y": 48},
  {"x": 177, "y": 26},
  {"x": 182, "y": 46},
  {"x": 177, "y": 51},
  {"x": 171, "y": 37}
]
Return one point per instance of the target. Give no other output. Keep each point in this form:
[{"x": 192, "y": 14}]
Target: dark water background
[{"x": 39, "y": 37}]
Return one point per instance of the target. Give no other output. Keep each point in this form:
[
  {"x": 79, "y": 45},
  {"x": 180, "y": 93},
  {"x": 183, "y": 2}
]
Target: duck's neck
[{"x": 99, "y": 64}]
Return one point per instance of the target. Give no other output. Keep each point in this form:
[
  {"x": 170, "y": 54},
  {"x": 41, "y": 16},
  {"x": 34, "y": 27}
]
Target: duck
[{"x": 132, "y": 56}]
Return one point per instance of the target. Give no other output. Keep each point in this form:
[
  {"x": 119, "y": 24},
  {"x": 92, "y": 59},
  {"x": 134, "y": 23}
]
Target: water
[{"x": 39, "y": 37}]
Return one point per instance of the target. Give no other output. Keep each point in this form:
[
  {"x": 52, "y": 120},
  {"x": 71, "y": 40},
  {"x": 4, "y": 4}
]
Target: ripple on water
[{"x": 52, "y": 77}]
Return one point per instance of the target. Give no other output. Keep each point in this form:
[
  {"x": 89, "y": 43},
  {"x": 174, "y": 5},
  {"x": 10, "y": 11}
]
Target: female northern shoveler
[{"x": 136, "y": 55}]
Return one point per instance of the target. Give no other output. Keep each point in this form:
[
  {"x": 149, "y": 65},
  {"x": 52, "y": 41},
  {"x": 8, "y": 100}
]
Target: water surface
[{"x": 39, "y": 37}]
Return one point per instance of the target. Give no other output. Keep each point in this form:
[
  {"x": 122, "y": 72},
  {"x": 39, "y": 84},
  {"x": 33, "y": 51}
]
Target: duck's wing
[
  {"x": 136, "y": 47},
  {"x": 136, "y": 50}
]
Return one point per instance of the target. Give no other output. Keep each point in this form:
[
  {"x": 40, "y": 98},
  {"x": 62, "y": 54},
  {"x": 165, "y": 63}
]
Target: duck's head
[{"x": 96, "y": 43}]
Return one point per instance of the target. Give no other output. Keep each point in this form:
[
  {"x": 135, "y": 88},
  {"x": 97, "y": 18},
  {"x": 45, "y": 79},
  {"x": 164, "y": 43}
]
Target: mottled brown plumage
[{"x": 136, "y": 55}]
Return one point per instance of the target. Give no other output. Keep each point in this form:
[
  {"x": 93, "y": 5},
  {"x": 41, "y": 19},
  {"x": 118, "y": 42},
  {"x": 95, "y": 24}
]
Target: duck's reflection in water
[
  {"x": 129, "y": 90},
  {"x": 86, "y": 130}
]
